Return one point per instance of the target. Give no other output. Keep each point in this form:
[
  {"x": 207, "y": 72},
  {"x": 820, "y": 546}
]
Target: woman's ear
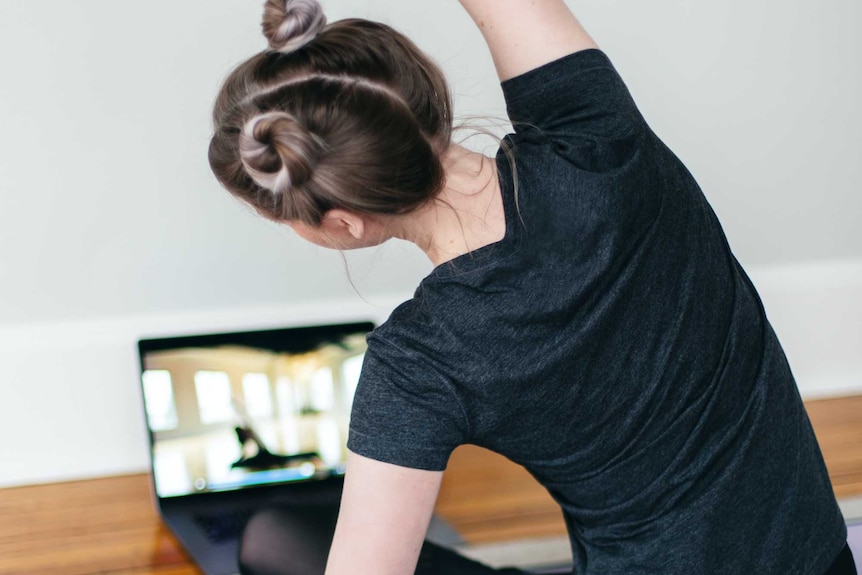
[{"x": 339, "y": 222}]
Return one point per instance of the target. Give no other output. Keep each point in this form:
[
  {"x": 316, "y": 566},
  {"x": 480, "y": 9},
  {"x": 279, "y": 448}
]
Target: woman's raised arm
[{"x": 525, "y": 34}]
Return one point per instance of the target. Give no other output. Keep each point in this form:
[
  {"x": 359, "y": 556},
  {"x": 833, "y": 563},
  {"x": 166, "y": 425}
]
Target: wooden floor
[{"x": 109, "y": 526}]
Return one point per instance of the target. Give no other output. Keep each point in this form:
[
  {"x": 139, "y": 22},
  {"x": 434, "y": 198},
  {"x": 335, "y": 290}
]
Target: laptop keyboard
[{"x": 223, "y": 525}]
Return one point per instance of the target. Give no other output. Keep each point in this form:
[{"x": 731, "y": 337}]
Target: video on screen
[{"x": 258, "y": 411}]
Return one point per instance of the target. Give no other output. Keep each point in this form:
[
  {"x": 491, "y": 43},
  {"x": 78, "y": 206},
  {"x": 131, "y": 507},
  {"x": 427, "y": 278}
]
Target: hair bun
[
  {"x": 291, "y": 24},
  {"x": 277, "y": 151}
]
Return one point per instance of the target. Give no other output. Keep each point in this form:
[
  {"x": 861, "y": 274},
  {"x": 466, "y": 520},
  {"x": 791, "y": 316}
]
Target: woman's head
[{"x": 347, "y": 116}]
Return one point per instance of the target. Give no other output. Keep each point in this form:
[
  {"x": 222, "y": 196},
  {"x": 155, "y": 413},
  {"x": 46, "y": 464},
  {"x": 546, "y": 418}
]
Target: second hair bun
[{"x": 278, "y": 152}]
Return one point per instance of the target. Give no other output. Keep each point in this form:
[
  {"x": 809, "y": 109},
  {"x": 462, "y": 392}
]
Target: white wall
[{"x": 112, "y": 227}]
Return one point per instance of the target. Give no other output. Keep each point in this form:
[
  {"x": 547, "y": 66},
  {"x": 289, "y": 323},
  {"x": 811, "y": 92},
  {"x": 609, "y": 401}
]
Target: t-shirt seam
[
  {"x": 523, "y": 95},
  {"x": 604, "y": 63}
]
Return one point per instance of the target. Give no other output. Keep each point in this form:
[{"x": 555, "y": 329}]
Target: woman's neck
[{"x": 466, "y": 215}]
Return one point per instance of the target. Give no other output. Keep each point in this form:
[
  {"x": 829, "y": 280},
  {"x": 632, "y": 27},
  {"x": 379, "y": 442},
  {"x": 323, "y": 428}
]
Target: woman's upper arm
[
  {"x": 525, "y": 34},
  {"x": 384, "y": 515}
]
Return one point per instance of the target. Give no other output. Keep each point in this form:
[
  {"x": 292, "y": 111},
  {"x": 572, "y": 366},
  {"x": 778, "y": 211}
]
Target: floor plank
[{"x": 100, "y": 526}]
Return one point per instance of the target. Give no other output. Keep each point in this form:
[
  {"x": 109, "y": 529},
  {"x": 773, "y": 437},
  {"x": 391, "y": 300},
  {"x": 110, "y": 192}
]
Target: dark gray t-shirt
[{"x": 612, "y": 345}]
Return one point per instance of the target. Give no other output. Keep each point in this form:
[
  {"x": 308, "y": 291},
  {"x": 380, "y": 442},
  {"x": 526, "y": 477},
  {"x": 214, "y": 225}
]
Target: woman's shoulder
[
  {"x": 580, "y": 96},
  {"x": 559, "y": 70}
]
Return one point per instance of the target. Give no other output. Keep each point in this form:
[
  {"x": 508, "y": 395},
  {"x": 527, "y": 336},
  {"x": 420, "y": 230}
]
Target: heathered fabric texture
[{"x": 612, "y": 345}]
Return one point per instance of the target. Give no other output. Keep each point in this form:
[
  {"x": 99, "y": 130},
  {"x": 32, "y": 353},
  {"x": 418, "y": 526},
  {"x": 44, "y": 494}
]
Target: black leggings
[{"x": 296, "y": 540}]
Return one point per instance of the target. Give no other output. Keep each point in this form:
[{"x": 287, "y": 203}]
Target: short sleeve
[
  {"x": 403, "y": 412},
  {"x": 581, "y": 105}
]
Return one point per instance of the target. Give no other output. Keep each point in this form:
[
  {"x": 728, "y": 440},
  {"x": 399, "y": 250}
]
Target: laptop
[{"x": 243, "y": 421}]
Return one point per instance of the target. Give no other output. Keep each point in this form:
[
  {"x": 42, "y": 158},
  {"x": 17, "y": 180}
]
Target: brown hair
[{"x": 349, "y": 115}]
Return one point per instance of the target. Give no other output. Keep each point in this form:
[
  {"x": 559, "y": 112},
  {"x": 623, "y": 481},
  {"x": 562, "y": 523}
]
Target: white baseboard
[
  {"x": 816, "y": 310},
  {"x": 72, "y": 408}
]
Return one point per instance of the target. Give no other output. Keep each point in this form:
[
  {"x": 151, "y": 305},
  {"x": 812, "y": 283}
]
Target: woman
[{"x": 585, "y": 317}]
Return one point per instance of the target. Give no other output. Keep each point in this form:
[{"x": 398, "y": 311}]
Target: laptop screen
[{"x": 227, "y": 411}]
